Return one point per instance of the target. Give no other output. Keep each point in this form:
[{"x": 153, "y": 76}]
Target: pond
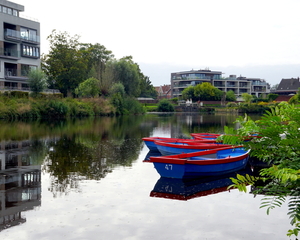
[{"x": 86, "y": 179}]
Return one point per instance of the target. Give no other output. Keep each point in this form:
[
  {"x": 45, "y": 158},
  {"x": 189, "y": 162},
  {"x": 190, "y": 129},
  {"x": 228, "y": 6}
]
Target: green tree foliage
[
  {"x": 88, "y": 88},
  {"x": 127, "y": 73},
  {"x": 65, "y": 64},
  {"x": 165, "y": 106},
  {"x": 278, "y": 145},
  {"x": 207, "y": 92},
  {"x": 117, "y": 88},
  {"x": 272, "y": 96},
  {"x": 97, "y": 56},
  {"x": 247, "y": 97},
  {"x": 188, "y": 93},
  {"x": 37, "y": 81},
  {"x": 230, "y": 96},
  {"x": 147, "y": 89}
]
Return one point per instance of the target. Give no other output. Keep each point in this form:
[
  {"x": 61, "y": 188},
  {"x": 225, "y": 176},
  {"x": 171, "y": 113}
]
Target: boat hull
[{"x": 204, "y": 163}]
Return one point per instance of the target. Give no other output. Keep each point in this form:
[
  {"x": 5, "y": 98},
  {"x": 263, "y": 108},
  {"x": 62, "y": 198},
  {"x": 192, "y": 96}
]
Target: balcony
[
  {"x": 14, "y": 35},
  {"x": 9, "y": 53},
  {"x": 15, "y": 74}
]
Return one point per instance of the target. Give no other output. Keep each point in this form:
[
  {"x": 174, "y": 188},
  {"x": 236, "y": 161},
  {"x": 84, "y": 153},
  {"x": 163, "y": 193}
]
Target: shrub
[
  {"x": 231, "y": 104},
  {"x": 165, "y": 106},
  {"x": 54, "y": 109}
]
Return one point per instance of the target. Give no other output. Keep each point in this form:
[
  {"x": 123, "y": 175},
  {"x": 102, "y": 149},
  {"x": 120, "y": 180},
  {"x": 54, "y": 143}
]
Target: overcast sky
[{"x": 257, "y": 38}]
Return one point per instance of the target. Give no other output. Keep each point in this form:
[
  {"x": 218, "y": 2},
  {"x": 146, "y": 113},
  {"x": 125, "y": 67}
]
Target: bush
[
  {"x": 54, "y": 109},
  {"x": 19, "y": 94},
  {"x": 131, "y": 105},
  {"x": 165, "y": 106},
  {"x": 231, "y": 104}
]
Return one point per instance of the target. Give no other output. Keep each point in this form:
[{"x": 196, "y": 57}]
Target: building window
[
  {"x": 30, "y": 51},
  {"x": 29, "y": 34},
  {"x": 15, "y": 12},
  {"x": 4, "y": 9},
  {"x": 26, "y": 68},
  {"x": 9, "y": 11}
]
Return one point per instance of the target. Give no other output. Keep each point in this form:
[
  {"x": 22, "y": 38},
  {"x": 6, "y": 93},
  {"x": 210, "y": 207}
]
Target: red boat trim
[
  {"x": 192, "y": 145},
  {"x": 184, "y": 158}
]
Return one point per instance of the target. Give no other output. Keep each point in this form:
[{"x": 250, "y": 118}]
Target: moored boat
[
  {"x": 207, "y": 136},
  {"x": 150, "y": 141},
  {"x": 172, "y": 147},
  {"x": 205, "y": 163}
]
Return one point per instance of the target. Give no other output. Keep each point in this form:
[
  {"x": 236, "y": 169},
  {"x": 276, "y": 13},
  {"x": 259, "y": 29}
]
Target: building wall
[
  {"x": 19, "y": 46},
  {"x": 239, "y": 85}
]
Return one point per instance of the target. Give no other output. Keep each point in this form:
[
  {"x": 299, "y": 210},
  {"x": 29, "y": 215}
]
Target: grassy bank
[{"x": 25, "y": 107}]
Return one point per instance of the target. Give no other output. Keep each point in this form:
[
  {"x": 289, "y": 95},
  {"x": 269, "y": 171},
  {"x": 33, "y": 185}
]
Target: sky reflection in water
[{"x": 119, "y": 206}]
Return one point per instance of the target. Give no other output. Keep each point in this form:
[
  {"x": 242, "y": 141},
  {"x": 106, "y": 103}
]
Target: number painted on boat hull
[{"x": 169, "y": 167}]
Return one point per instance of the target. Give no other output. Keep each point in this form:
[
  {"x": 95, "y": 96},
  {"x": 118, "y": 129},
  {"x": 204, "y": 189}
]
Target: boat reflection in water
[
  {"x": 20, "y": 183},
  {"x": 180, "y": 189}
]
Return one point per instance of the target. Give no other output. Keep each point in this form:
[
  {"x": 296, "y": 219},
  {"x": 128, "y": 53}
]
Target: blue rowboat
[
  {"x": 150, "y": 141},
  {"x": 171, "y": 147},
  {"x": 207, "y": 136},
  {"x": 205, "y": 163}
]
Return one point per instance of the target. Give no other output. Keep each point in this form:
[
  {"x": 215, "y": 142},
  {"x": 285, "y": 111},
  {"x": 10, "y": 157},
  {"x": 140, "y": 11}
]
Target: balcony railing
[
  {"x": 13, "y": 72},
  {"x": 9, "y": 52},
  {"x": 26, "y": 89},
  {"x": 16, "y": 35}
]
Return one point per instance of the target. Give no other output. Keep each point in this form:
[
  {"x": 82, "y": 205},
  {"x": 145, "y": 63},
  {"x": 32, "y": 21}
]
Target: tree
[
  {"x": 65, "y": 65},
  {"x": 277, "y": 144},
  {"x": 272, "y": 96},
  {"x": 37, "y": 81},
  {"x": 117, "y": 88},
  {"x": 127, "y": 73},
  {"x": 207, "y": 92},
  {"x": 230, "y": 96},
  {"x": 88, "y": 88},
  {"x": 247, "y": 97},
  {"x": 98, "y": 56},
  {"x": 188, "y": 93},
  {"x": 147, "y": 89}
]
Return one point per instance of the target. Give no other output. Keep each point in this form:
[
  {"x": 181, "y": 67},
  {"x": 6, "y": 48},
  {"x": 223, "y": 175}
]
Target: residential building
[
  {"x": 19, "y": 46},
  {"x": 163, "y": 91},
  {"x": 288, "y": 86},
  {"x": 239, "y": 85}
]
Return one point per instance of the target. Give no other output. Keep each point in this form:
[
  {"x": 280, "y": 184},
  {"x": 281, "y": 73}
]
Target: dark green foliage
[
  {"x": 230, "y": 96},
  {"x": 132, "y": 106},
  {"x": 278, "y": 145},
  {"x": 272, "y": 96},
  {"x": 19, "y": 94},
  {"x": 54, "y": 109},
  {"x": 252, "y": 108},
  {"x": 165, "y": 106}
]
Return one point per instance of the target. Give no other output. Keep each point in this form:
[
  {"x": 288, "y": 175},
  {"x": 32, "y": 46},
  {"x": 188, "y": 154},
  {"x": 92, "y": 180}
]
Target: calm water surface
[{"x": 86, "y": 179}]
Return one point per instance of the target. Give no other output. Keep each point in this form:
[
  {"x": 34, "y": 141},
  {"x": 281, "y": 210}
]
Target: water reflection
[
  {"x": 20, "y": 183},
  {"x": 180, "y": 189},
  {"x": 89, "y": 150}
]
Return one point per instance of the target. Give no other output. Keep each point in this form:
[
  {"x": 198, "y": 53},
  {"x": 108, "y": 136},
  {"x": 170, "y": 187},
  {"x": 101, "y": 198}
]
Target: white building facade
[{"x": 239, "y": 85}]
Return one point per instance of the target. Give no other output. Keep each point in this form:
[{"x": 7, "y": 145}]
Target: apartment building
[
  {"x": 19, "y": 46},
  {"x": 239, "y": 85}
]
